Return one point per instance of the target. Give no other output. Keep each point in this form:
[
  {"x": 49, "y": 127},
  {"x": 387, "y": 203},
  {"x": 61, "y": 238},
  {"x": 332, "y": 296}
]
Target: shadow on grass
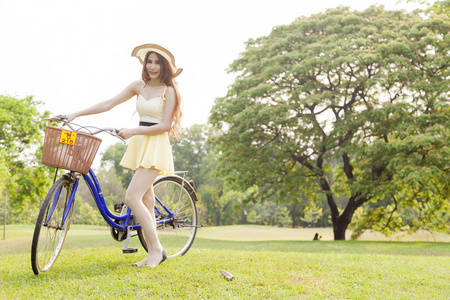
[{"x": 367, "y": 247}]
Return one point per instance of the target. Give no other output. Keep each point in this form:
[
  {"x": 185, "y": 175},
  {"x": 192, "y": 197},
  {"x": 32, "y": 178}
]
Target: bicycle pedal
[{"x": 129, "y": 250}]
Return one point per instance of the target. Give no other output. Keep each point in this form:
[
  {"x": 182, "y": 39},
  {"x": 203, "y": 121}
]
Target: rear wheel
[
  {"x": 176, "y": 233},
  {"x": 49, "y": 232}
]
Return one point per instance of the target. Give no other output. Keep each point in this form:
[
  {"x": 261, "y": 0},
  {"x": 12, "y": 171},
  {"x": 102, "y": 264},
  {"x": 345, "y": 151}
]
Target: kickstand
[{"x": 125, "y": 247}]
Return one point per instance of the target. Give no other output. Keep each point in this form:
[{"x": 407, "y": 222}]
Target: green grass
[{"x": 91, "y": 266}]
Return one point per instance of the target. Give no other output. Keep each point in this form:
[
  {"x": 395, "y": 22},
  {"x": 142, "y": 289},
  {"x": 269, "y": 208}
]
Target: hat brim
[{"x": 141, "y": 51}]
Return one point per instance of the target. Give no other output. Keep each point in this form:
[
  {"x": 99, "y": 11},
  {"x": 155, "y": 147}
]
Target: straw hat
[{"x": 142, "y": 50}]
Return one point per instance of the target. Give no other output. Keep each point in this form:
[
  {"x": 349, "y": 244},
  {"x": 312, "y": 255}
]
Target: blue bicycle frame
[{"x": 94, "y": 185}]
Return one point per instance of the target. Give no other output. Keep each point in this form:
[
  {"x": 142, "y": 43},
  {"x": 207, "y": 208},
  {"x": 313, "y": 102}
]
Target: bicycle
[{"x": 175, "y": 200}]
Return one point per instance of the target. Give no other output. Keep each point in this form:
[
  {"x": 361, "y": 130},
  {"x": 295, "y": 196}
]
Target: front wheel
[
  {"x": 50, "y": 231},
  {"x": 176, "y": 215}
]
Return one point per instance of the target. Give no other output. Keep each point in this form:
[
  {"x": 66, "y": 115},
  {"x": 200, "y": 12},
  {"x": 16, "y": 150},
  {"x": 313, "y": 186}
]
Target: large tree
[{"x": 366, "y": 89}]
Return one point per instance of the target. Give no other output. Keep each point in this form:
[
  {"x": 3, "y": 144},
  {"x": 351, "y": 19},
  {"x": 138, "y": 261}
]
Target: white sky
[{"x": 73, "y": 54}]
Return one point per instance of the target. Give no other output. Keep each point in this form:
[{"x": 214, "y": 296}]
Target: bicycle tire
[
  {"x": 49, "y": 237},
  {"x": 179, "y": 197}
]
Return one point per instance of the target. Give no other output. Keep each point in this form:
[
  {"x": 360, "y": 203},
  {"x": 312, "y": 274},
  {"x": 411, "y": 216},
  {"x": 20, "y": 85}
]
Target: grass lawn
[{"x": 91, "y": 266}]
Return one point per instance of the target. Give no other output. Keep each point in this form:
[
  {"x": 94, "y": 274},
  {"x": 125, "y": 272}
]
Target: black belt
[{"x": 146, "y": 123}]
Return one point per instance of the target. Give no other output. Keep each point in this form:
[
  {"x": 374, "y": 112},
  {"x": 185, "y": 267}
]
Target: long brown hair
[{"x": 166, "y": 76}]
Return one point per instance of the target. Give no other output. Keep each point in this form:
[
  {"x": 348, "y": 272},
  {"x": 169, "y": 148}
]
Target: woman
[{"x": 149, "y": 152}]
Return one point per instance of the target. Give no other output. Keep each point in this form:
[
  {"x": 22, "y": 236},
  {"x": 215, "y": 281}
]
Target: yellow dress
[{"x": 150, "y": 151}]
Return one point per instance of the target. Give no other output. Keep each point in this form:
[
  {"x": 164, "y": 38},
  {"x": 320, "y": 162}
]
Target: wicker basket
[{"x": 69, "y": 150}]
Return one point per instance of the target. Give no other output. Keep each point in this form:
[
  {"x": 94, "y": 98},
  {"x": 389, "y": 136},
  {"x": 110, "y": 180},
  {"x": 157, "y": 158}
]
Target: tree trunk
[
  {"x": 339, "y": 229},
  {"x": 340, "y": 223},
  {"x": 218, "y": 223}
]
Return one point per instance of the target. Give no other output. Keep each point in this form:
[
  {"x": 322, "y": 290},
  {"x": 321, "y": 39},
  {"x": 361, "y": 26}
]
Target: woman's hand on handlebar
[
  {"x": 70, "y": 117},
  {"x": 125, "y": 133}
]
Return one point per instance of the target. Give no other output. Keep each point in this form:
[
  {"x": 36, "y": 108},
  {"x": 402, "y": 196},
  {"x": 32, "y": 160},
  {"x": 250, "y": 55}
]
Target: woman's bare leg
[{"x": 140, "y": 191}]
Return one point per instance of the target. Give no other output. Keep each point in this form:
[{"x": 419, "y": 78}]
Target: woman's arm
[
  {"x": 131, "y": 90},
  {"x": 162, "y": 127}
]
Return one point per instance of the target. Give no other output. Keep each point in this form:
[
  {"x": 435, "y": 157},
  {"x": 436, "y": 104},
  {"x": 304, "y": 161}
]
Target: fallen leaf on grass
[{"x": 226, "y": 275}]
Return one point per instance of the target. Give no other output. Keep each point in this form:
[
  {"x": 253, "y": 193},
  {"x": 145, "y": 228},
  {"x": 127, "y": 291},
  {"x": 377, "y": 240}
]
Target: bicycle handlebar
[{"x": 85, "y": 129}]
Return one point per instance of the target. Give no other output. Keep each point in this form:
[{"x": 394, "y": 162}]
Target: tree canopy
[
  {"x": 352, "y": 103},
  {"x": 21, "y": 136}
]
